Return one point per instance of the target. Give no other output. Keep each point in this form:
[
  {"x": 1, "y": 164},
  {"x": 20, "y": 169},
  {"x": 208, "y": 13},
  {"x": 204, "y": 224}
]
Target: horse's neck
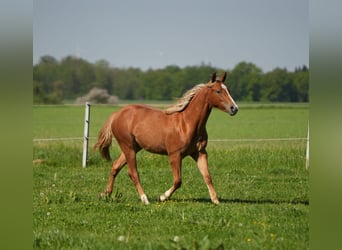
[{"x": 198, "y": 111}]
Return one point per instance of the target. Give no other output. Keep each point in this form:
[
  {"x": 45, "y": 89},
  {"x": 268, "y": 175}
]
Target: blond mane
[{"x": 183, "y": 102}]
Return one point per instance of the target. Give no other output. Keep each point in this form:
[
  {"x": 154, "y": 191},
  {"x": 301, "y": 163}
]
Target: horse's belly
[
  {"x": 156, "y": 151},
  {"x": 151, "y": 143},
  {"x": 153, "y": 147}
]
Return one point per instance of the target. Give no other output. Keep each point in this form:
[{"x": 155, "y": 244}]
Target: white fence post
[
  {"x": 307, "y": 150},
  {"x": 86, "y": 134}
]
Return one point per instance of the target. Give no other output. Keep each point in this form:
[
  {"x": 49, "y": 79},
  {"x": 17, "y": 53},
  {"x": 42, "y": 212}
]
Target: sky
[{"x": 156, "y": 33}]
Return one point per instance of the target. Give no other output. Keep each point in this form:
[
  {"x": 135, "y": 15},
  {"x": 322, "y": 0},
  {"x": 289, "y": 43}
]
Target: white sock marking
[
  {"x": 144, "y": 199},
  {"x": 166, "y": 195}
]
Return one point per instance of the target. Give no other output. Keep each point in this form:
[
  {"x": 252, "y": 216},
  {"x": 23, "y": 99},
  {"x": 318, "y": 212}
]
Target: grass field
[{"x": 262, "y": 185}]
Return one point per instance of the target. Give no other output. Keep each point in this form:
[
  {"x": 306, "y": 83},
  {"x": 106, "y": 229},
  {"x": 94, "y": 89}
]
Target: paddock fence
[{"x": 210, "y": 140}]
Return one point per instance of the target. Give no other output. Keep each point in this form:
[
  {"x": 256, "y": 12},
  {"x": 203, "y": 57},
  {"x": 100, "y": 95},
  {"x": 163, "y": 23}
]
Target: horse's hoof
[
  {"x": 103, "y": 196},
  {"x": 216, "y": 202},
  {"x": 162, "y": 198},
  {"x": 144, "y": 199}
]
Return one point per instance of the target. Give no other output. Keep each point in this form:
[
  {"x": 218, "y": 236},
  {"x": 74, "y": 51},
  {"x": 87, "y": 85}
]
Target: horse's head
[{"x": 219, "y": 95}]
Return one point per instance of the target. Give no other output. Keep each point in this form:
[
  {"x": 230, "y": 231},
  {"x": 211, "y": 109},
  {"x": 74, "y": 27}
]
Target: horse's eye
[{"x": 219, "y": 92}]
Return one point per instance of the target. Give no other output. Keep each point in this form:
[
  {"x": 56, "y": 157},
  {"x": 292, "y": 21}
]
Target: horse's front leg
[
  {"x": 176, "y": 165},
  {"x": 202, "y": 164}
]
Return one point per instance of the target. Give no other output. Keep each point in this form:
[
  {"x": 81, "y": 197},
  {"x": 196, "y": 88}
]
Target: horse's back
[
  {"x": 146, "y": 125},
  {"x": 138, "y": 112}
]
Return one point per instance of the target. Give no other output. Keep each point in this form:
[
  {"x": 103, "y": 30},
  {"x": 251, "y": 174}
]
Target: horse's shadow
[{"x": 245, "y": 201}]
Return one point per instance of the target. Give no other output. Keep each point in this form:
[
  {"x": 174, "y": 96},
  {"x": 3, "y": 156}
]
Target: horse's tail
[{"x": 105, "y": 139}]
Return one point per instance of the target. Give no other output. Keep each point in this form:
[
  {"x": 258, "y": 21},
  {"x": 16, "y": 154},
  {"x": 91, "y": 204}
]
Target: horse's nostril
[{"x": 234, "y": 109}]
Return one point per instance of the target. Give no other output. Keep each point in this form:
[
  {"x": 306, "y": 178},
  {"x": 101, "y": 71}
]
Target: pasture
[{"x": 263, "y": 186}]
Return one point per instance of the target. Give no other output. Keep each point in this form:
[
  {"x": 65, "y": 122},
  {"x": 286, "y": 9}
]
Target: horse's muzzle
[{"x": 233, "y": 110}]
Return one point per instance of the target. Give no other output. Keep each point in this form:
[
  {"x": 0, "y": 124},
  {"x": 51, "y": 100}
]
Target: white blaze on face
[{"x": 225, "y": 88}]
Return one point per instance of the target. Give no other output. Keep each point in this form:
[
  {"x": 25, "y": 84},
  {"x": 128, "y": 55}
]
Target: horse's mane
[{"x": 183, "y": 102}]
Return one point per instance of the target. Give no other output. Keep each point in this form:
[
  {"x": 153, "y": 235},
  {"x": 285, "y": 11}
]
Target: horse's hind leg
[
  {"x": 133, "y": 174},
  {"x": 118, "y": 164},
  {"x": 176, "y": 164}
]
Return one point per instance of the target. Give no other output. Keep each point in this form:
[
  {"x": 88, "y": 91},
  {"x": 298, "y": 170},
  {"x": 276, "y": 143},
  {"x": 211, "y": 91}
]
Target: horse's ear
[
  {"x": 213, "y": 77},
  {"x": 224, "y": 77}
]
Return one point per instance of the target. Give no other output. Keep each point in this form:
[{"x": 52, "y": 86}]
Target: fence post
[
  {"x": 86, "y": 134},
  {"x": 307, "y": 150}
]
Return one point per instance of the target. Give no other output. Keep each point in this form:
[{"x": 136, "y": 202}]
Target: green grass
[{"x": 263, "y": 187}]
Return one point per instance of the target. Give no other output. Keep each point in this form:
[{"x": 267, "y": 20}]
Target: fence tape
[
  {"x": 260, "y": 139},
  {"x": 210, "y": 140}
]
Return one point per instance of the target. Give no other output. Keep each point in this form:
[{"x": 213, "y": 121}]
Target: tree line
[{"x": 59, "y": 81}]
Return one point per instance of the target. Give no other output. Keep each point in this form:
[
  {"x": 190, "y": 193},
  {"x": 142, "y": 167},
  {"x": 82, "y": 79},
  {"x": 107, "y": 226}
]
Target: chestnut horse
[{"x": 178, "y": 131}]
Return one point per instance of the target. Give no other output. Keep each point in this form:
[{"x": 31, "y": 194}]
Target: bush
[{"x": 98, "y": 95}]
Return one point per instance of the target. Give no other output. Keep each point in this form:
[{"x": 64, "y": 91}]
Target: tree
[
  {"x": 56, "y": 81},
  {"x": 78, "y": 76},
  {"x": 244, "y": 81},
  {"x": 103, "y": 76},
  {"x": 301, "y": 83},
  {"x": 278, "y": 87}
]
